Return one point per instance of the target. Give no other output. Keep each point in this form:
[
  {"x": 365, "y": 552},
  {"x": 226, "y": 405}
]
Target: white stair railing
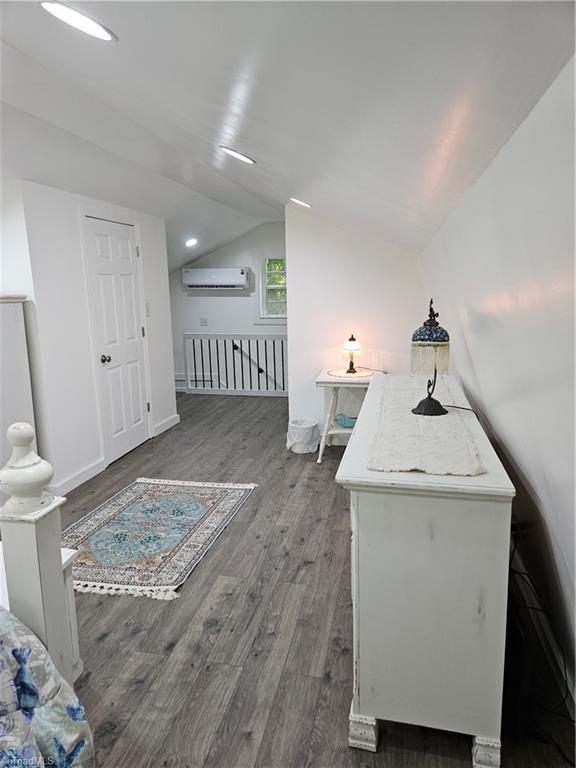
[
  {"x": 38, "y": 572},
  {"x": 241, "y": 364}
]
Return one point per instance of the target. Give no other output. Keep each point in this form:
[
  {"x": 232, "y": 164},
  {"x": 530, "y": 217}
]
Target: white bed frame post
[{"x": 38, "y": 572}]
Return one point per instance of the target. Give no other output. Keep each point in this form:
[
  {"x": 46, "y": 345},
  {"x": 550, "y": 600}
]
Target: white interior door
[{"x": 114, "y": 287}]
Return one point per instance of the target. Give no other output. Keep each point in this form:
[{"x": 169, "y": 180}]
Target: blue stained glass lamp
[
  {"x": 430, "y": 346},
  {"x": 431, "y": 330}
]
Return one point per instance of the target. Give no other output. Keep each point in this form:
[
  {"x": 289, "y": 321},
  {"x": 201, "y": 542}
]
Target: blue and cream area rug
[{"x": 147, "y": 539}]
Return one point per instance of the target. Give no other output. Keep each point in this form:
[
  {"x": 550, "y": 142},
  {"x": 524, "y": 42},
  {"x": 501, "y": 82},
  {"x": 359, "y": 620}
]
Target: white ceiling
[
  {"x": 33, "y": 149},
  {"x": 380, "y": 113}
]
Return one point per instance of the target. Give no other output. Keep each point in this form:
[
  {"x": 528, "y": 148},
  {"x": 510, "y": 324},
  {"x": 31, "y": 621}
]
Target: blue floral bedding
[{"x": 42, "y": 723}]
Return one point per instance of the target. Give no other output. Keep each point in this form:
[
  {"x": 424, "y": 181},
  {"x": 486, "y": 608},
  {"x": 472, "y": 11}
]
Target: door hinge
[
  {"x": 138, "y": 251},
  {"x": 143, "y": 332},
  {"x": 148, "y": 407}
]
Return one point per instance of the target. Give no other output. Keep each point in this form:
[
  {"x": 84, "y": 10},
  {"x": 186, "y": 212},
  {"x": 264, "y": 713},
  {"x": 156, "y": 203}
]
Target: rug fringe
[
  {"x": 194, "y": 483},
  {"x": 156, "y": 593}
]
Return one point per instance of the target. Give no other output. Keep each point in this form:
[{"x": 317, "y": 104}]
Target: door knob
[{"x": 105, "y": 359}]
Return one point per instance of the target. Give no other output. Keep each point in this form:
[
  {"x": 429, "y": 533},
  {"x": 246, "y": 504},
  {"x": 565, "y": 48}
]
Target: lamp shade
[
  {"x": 431, "y": 332},
  {"x": 430, "y": 346},
  {"x": 352, "y": 345}
]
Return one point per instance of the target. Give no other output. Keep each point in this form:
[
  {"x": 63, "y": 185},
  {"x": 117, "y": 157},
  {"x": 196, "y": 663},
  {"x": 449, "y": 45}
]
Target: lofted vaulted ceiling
[{"x": 378, "y": 113}]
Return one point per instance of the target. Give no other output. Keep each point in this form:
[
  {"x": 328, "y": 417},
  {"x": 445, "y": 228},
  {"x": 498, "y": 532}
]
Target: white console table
[
  {"x": 335, "y": 381},
  {"x": 429, "y": 588}
]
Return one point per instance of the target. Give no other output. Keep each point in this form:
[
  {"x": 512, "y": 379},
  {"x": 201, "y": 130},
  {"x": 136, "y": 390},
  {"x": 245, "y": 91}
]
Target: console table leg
[
  {"x": 485, "y": 752},
  {"x": 328, "y": 422},
  {"x": 363, "y": 732}
]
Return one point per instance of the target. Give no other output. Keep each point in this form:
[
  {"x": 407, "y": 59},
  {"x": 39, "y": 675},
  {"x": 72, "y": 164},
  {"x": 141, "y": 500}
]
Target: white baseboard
[
  {"x": 62, "y": 487},
  {"x": 180, "y": 382},
  {"x": 168, "y": 423},
  {"x": 238, "y": 392}
]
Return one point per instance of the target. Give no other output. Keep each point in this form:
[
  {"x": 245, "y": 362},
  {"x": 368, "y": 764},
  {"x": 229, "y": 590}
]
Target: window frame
[{"x": 262, "y": 302}]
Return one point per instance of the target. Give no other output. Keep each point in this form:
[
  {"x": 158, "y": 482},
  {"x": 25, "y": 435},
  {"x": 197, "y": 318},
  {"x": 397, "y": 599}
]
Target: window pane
[
  {"x": 276, "y": 294},
  {"x": 276, "y": 308},
  {"x": 275, "y": 265},
  {"x": 275, "y": 278}
]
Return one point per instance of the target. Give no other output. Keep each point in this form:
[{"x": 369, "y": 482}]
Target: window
[{"x": 273, "y": 288}]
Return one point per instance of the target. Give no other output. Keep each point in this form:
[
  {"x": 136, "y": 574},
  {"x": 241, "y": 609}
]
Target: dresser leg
[
  {"x": 485, "y": 752},
  {"x": 363, "y": 732}
]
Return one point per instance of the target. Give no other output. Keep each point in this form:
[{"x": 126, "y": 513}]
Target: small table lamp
[{"x": 350, "y": 347}]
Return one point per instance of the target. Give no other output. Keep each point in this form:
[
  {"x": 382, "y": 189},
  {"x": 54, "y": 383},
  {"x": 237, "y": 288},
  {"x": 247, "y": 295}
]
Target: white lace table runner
[{"x": 404, "y": 442}]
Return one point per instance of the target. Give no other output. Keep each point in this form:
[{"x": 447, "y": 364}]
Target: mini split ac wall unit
[{"x": 200, "y": 278}]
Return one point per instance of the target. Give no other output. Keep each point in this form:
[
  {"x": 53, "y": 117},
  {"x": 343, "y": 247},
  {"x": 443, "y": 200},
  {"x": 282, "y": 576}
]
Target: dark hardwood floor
[{"x": 252, "y": 666}]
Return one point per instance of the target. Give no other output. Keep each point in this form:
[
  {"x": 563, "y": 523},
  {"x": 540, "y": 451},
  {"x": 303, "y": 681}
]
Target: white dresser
[{"x": 429, "y": 589}]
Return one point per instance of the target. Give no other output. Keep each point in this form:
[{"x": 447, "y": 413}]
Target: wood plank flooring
[{"x": 252, "y": 666}]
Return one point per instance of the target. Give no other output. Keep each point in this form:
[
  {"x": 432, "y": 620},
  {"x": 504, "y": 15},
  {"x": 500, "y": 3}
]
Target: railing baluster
[
  {"x": 234, "y": 362},
  {"x": 210, "y": 362},
  {"x": 274, "y": 355},
  {"x": 226, "y": 364},
  {"x": 218, "y": 362},
  {"x": 258, "y": 361},
  {"x": 241, "y": 364},
  {"x": 250, "y": 363},
  {"x": 282, "y": 359},
  {"x": 266, "y": 363},
  {"x": 202, "y": 361},
  {"x": 194, "y": 356}
]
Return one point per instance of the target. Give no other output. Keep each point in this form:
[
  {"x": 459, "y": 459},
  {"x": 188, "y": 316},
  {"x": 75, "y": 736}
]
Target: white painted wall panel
[
  {"x": 15, "y": 387},
  {"x": 502, "y": 270},
  {"x": 158, "y": 321},
  {"x": 339, "y": 283},
  {"x": 15, "y": 273}
]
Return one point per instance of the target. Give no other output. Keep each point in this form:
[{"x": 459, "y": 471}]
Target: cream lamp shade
[{"x": 351, "y": 347}]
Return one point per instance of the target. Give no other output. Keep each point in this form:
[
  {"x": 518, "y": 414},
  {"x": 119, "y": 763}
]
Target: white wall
[
  {"x": 503, "y": 264},
  {"x": 66, "y": 405},
  {"x": 340, "y": 283},
  {"x": 15, "y": 275},
  {"x": 226, "y": 311},
  {"x": 15, "y": 387}
]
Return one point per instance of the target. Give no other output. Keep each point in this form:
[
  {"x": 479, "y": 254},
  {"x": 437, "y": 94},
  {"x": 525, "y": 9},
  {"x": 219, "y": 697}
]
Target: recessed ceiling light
[
  {"x": 191, "y": 242},
  {"x": 78, "y": 20},
  {"x": 238, "y": 155},
  {"x": 300, "y": 202}
]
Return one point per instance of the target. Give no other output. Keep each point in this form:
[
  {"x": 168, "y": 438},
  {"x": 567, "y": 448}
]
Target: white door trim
[{"x": 94, "y": 212}]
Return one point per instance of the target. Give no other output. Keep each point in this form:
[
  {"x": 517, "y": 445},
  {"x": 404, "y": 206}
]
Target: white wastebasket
[{"x": 303, "y": 436}]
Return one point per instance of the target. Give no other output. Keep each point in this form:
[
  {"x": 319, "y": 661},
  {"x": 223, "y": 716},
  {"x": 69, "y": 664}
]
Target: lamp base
[
  {"x": 429, "y": 407},
  {"x": 351, "y": 368}
]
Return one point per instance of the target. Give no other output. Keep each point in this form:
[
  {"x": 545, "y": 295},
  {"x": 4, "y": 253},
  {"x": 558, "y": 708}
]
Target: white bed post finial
[
  {"x": 31, "y": 533},
  {"x": 26, "y": 475}
]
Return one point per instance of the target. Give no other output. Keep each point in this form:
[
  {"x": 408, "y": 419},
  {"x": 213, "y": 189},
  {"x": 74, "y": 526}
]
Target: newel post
[{"x": 31, "y": 534}]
